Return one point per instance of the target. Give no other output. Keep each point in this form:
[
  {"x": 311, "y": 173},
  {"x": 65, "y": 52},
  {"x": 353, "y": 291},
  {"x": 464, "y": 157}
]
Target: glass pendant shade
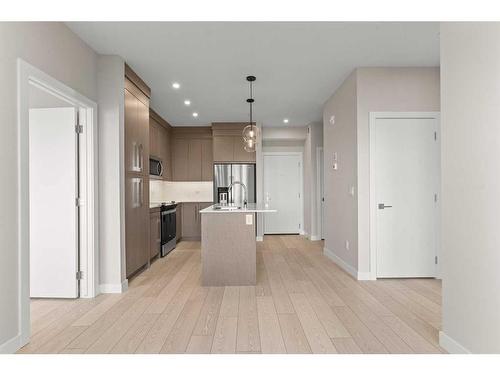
[
  {"x": 250, "y": 132},
  {"x": 250, "y": 145}
]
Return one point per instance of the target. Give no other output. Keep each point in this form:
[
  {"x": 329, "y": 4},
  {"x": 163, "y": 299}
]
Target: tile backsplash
[{"x": 180, "y": 191}]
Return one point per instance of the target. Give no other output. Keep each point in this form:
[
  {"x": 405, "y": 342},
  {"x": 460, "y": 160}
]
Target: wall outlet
[
  {"x": 347, "y": 244},
  {"x": 249, "y": 219}
]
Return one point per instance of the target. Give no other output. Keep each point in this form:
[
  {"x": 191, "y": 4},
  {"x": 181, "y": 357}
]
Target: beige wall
[
  {"x": 340, "y": 207},
  {"x": 386, "y": 90},
  {"x": 54, "y": 49},
  {"x": 470, "y": 132},
  {"x": 365, "y": 90}
]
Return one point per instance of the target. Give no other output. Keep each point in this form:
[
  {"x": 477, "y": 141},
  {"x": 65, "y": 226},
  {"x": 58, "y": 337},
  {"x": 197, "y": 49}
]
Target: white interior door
[
  {"x": 406, "y": 187},
  {"x": 53, "y": 212},
  {"x": 282, "y": 188}
]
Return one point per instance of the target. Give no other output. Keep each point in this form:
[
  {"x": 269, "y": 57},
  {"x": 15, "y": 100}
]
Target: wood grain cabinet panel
[
  {"x": 190, "y": 223},
  {"x": 223, "y": 149},
  {"x": 194, "y": 160},
  {"x": 180, "y": 159},
  {"x": 239, "y": 151},
  {"x": 137, "y": 149},
  {"x": 154, "y": 141},
  {"x": 178, "y": 222},
  {"x": 207, "y": 162},
  {"x": 131, "y": 132},
  {"x": 166, "y": 154}
]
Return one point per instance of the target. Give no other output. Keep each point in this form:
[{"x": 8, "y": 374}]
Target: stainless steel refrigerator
[{"x": 226, "y": 174}]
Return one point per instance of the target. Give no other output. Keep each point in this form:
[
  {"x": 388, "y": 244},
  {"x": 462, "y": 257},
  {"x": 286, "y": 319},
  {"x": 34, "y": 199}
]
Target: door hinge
[
  {"x": 78, "y": 126},
  {"x": 299, "y": 225},
  {"x": 78, "y": 202},
  {"x": 79, "y": 275},
  {"x": 435, "y": 197},
  {"x": 436, "y": 260},
  {"x": 435, "y": 136}
]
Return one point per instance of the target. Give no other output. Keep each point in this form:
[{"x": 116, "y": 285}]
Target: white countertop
[{"x": 251, "y": 207}]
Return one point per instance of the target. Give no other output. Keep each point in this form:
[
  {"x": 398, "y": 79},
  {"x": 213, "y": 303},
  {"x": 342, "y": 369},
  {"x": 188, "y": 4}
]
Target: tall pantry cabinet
[{"x": 137, "y": 220}]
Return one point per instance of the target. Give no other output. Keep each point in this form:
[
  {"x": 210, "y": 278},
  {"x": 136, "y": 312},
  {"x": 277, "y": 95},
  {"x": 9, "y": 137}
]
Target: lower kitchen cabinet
[
  {"x": 154, "y": 233},
  {"x": 191, "y": 219},
  {"x": 136, "y": 222},
  {"x": 178, "y": 222}
]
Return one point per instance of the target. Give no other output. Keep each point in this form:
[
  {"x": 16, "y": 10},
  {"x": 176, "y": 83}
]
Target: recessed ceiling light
[
  {"x": 285, "y": 121},
  {"x": 187, "y": 102},
  {"x": 195, "y": 114},
  {"x": 176, "y": 85}
]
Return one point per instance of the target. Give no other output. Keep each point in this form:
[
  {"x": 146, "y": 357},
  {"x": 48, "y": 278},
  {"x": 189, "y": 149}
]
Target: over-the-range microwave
[{"x": 155, "y": 167}]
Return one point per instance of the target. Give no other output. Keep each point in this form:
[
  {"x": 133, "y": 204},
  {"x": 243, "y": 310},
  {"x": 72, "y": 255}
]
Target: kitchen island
[{"x": 228, "y": 244}]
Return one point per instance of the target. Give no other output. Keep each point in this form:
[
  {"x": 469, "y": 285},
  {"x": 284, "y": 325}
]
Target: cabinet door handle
[{"x": 141, "y": 162}]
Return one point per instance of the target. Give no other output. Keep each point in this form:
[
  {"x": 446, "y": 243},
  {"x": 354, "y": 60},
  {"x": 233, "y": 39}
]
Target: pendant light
[{"x": 250, "y": 132}]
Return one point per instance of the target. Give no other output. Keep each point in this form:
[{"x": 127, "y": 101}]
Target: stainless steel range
[{"x": 168, "y": 227}]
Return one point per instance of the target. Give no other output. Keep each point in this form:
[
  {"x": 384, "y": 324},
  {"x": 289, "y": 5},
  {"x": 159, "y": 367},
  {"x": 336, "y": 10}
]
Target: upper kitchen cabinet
[
  {"x": 228, "y": 144},
  {"x": 192, "y": 155},
  {"x": 136, "y": 127},
  {"x": 160, "y": 144}
]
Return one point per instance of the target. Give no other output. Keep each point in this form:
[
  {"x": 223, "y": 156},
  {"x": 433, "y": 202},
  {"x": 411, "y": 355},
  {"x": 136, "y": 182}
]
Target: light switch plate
[{"x": 249, "y": 219}]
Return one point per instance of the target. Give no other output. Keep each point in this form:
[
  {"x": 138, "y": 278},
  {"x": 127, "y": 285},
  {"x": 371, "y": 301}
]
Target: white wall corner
[
  {"x": 11, "y": 346},
  {"x": 114, "y": 288},
  {"x": 340, "y": 262},
  {"x": 450, "y": 345}
]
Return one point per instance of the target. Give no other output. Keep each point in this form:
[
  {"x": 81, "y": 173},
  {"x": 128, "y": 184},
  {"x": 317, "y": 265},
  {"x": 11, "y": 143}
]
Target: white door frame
[
  {"x": 319, "y": 214},
  {"x": 301, "y": 177},
  {"x": 88, "y": 219},
  {"x": 373, "y": 209}
]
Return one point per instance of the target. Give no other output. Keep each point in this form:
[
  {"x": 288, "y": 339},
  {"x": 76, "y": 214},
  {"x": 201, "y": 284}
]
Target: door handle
[{"x": 382, "y": 206}]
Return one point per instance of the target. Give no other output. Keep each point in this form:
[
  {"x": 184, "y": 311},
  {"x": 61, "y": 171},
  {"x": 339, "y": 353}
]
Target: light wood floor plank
[
  {"x": 248, "y": 339},
  {"x": 319, "y": 340},
  {"x": 271, "y": 340},
  {"x": 293, "y": 334},
  {"x": 302, "y": 303},
  {"x": 200, "y": 344},
  {"x": 346, "y": 345},
  {"x": 207, "y": 320}
]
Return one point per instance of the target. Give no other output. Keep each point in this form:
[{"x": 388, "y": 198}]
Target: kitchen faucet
[{"x": 230, "y": 188}]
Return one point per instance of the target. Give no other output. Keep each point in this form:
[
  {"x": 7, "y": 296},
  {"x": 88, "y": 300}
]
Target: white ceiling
[{"x": 298, "y": 64}]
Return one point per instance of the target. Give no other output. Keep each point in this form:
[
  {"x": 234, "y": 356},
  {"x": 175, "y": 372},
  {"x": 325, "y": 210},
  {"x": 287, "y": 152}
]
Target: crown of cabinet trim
[
  {"x": 159, "y": 120},
  {"x": 199, "y": 132},
  {"x": 228, "y": 128},
  {"x": 137, "y": 81}
]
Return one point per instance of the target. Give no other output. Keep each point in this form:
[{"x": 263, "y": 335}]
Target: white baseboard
[
  {"x": 346, "y": 267},
  {"x": 303, "y": 233},
  {"x": 259, "y": 238},
  {"x": 450, "y": 345},
  {"x": 11, "y": 346},
  {"x": 315, "y": 238},
  {"x": 114, "y": 288}
]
